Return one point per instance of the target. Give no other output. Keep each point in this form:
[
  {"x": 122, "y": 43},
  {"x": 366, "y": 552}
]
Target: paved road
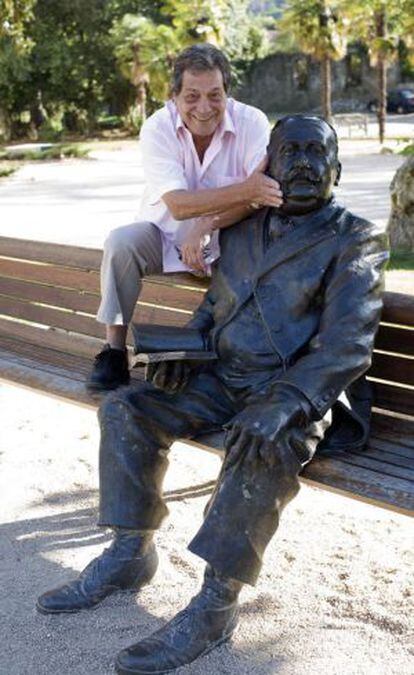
[{"x": 80, "y": 201}]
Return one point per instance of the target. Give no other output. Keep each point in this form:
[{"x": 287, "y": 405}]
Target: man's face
[
  {"x": 302, "y": 157},
  {"x": 201, "y": 101}
]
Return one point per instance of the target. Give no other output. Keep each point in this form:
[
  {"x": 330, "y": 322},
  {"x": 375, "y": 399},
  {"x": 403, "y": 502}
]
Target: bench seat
[{"x": 48, "y": 335}]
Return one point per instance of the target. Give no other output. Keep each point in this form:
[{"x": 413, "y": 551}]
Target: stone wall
[{"x": 291, "y": 83}]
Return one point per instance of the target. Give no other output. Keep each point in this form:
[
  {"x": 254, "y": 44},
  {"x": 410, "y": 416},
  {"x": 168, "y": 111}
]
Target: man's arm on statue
[
  {"x": 192, "y": 247},
  {"x": 257, "y": 188}
]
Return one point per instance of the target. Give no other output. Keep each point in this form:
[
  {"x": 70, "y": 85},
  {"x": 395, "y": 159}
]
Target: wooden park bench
[
  {"x": 49, "y": 295},
  {"x": 359, "y": 121}
]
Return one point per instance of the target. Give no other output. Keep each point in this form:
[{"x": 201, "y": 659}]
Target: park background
[{"x": 77, "y": 78}]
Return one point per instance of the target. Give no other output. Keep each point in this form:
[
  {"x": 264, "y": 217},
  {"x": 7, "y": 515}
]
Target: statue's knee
[{"x": 113, "y": 409}]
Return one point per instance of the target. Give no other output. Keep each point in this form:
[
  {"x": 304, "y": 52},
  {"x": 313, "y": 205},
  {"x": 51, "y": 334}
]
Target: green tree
[
  {"x": 14, "y": 17},
  {"x": 70, "y": 65},
  {"x": 318, "y": 28},
  {"x": 144, "y": 52},
  {"x": 15, "y": 46}
]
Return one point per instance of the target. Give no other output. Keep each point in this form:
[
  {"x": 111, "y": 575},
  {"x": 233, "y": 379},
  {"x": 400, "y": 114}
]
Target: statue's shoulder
[
  {"x": 244, "y": 229},
  {"x": 352, "y": 225}
]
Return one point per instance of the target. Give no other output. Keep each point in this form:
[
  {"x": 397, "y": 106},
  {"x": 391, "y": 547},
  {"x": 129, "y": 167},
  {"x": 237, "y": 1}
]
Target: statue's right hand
[
  {"x": 171, "y": 376},
  {"x": 262, "y": 190}
]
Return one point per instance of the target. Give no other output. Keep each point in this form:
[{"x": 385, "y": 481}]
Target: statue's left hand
[
  {"x": 253, "y": 434},
  {"x": 171, "y": 376}
]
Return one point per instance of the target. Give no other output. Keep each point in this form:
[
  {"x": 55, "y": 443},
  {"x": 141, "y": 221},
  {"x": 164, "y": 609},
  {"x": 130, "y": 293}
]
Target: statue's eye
[{"x": 318, "y": 150}]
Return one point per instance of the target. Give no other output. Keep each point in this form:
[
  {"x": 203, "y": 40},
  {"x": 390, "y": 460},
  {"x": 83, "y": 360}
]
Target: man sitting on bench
[
  {"x": 292, "y": 311},
  {"x": 203, "y": 159}
]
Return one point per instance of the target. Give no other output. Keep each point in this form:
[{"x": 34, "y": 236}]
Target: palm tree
[
  {"x": 318, "y": 29},
  {"x": 380, "y": 24}
]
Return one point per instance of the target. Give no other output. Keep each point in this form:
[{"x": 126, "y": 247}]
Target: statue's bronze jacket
[{"x": 319, "y": 292}]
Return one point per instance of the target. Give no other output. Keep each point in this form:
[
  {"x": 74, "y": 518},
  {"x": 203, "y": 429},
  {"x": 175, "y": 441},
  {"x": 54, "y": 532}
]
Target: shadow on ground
[{"x": 43, "y": 552}]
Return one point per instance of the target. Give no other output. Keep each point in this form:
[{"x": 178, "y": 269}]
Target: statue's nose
[{"x": 302, "y": 162}]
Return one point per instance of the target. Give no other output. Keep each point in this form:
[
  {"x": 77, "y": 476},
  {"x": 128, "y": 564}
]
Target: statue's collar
[{"x": 311, "y": 219}]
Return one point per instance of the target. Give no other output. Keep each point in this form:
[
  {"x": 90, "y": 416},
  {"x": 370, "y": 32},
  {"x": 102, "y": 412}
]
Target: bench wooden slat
[
  {"x": 395, "y": 339},
  {"x": 88, "y": 259},
  {"x": 395, "y": 399},
  {"x": 392, "y": 368},
  {"x": 77, "y": 300},
  {"x": 392, "y": 455},
  {"x": 83, "y": 345},
  {"x": 46, "y": 252},
  {"x": 399, "y": 309},
  {"x": 367, "y": 461},
  {"x": 78, "y": 323},
  {"x": 49, "y": 295},
  {"x": 66, "y": 277},
  {"x": 366, "y": 485},
  {"x": 68, "y": 366},
  {"x": 400, "y": 431},
  {"x": 391, "y": 447}
]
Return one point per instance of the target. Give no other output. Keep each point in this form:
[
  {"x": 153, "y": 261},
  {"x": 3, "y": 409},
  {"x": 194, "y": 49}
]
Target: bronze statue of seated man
[{"x": 292, "y": 310}]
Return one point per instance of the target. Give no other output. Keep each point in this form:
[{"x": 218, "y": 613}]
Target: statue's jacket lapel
[{"x": 284, "y": 284}]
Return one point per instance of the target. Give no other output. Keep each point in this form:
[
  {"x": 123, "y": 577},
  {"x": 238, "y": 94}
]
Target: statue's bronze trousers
[{"x": 139, "y": 423}]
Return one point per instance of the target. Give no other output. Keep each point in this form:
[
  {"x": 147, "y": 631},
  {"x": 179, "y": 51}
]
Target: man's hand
[
  {"x": 253, "y": 434},
  {"x": 171, "y": 376},
  {"x": 192, "y": 248},
  {"x": 261, "y": 190}
]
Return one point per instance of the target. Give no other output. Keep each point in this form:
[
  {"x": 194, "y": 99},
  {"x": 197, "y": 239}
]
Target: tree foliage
[
  {"x": 381, "y": 24},
  {"x": 318, "y": 28}
]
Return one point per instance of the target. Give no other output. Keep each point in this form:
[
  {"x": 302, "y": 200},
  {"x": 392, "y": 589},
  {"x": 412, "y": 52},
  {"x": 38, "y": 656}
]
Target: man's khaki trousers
[{"x": 130, "y": 253}]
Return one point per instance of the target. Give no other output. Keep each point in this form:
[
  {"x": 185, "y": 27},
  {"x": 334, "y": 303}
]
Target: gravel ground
[{"x": 335, "y": 594}]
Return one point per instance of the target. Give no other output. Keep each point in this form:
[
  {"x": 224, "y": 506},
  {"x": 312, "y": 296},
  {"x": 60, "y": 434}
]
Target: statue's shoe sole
[
  {"x": 122, "y": 670},
  {"x": 62, "y": 604}
]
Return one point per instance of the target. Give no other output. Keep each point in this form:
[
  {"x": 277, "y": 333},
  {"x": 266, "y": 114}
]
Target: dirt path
[{"x": 334, "y": 596}]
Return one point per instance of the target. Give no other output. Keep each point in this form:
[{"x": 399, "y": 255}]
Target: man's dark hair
[
  {"x": 314, "y": 118},
  {"x": 199, "y": 58}
]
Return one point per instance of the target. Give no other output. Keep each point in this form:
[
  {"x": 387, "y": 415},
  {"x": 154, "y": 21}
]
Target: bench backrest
[{"x": 49, "y": 294}]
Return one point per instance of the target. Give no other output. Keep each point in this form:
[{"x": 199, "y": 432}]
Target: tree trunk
[
  {"x": 326, "y": 88},
  {"x": 380, "y": 30},
  {"x": 141, "y": 100}
]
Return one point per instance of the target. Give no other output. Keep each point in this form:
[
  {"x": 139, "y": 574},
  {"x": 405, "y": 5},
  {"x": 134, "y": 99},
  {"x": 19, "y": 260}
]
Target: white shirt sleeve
[
  {"x": 162, "y": 161},
  {"x": 257, "y": 139}
]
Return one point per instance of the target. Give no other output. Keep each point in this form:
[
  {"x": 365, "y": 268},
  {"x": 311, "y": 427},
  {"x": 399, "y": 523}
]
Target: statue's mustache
[{"x": 302, "y": 174}]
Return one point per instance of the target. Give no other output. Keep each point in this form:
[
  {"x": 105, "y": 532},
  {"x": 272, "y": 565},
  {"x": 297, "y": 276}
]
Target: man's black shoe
[
  {"x": 209, "y": 620},
  {"x": 109, "y": 371},
  {"x": 129, "y": 563}
]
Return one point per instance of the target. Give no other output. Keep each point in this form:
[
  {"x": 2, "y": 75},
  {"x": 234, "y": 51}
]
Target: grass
[
  {"x": 6, "y": 170},
  {"x": 401, "y": 260},
  {"x": 58, "y": 151},
  {"x": 408, "y": 150}
]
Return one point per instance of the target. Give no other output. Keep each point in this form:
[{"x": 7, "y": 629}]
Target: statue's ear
[{"x": 338, "y": 173}]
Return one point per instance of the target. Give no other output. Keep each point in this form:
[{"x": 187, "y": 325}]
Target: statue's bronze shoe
[
  {"x": 209, "y": 620},
  {"x": 122, "y": 566}
]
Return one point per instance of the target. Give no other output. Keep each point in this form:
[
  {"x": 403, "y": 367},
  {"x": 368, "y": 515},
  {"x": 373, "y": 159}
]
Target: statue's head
[{"x": 303, "y": 158}]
